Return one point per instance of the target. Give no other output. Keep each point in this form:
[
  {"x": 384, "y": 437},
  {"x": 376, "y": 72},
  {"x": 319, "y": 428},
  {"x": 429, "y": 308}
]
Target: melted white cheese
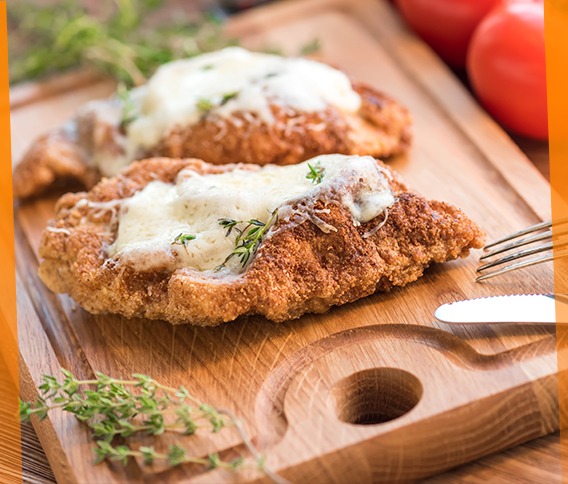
[
  {"x": 174, "y": 94},
  {"x": 151, "y": 220}
]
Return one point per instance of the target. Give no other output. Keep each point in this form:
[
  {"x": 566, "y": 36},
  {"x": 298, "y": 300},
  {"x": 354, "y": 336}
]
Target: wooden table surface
[{"x": 537, "y": 461}]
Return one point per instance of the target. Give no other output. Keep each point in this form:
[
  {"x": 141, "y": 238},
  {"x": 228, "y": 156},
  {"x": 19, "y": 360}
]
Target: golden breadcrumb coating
[
  {"x": 298, "y": 269},
  {"x": 380, "y": 128}
]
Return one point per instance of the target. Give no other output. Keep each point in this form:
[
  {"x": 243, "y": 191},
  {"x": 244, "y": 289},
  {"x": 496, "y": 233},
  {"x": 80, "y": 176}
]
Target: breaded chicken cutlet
[
  {"x": 227, "y": 106},
  {"x": 190, "y": 242}
]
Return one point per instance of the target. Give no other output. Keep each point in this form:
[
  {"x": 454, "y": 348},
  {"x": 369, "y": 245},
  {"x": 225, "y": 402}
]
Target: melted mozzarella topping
[
  {"x": 151, "y": 220},
  {"x": 231, "y": 80}
]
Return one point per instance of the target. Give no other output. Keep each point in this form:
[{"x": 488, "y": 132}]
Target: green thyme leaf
[
  {"x": 237, "y": 462},
  {"x": 176, "y": 455},
  {"x": 204, "y": 105},
  {"x": 25, "y": 411},
  {"x": 129, "y": 108},
  {"x": 214, "y": 461},
  {"x": 230, "y": 225},
  {"x": 148, "y": 454},
  {"x": 315, "y": 173},
  {"x": 311, "y": 47},
  {"x": 248, "y": 239},
  {"x": 183, "y": 239},
  {"x": 227, "y": 97},
  {"x": 117, "y": 409}
]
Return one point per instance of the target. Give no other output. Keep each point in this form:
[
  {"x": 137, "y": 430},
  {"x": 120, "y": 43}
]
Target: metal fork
[{"x": 503, "y": 257}]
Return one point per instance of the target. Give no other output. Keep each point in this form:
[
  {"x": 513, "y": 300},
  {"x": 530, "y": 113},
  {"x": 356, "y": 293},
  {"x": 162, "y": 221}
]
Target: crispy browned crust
[
  {"x": 381, "y": 128},
  {"x": 297, "y": 270},
  {"x": 51, "y": 158}
]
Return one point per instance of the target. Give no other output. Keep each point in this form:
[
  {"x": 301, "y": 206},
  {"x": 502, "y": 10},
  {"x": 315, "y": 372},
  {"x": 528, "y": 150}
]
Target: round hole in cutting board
[{"x": 376, "y": 395}]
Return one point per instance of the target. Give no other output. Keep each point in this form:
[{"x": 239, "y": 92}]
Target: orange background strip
[
  {"x": 556, "y": 27},
  {"x": 10, "y": 447}
]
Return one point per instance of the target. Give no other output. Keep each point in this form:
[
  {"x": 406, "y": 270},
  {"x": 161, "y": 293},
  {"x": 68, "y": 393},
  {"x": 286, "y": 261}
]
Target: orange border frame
[
  {"x": 556, "y": 26},
  {"x": 10, "y": 434}
]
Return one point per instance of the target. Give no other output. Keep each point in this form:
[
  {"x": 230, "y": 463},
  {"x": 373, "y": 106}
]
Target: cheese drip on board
[
  {"x": 232, "y": 80},
  {"x": 151, "y": 220}
]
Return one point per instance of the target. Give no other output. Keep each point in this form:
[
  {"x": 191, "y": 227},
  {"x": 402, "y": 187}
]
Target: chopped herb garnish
[
  {"x": 316, "y": 173},
  {"x": 248, "y": 239},
  {"x": 230, "y": 224},
  {"x": 311, "y": 47},
  {"x": 129, "y": 108},
  {"x": 204, "y": 105},
  {"x": 183, "y": 239},
  {"x": 273, "y": 50},
  {"x": 227, "y": 97}
]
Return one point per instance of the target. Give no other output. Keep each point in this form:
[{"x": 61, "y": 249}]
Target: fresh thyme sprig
[
  {"x": 175, "y": 456},
  {"x": 248, "y": 239},
  {"x": 114, "y": 408},
  {"x": 315, "y": 173},
  {"x": 183, "y": 239},
  {"x": 230, "y": 224},
  {"x": 122, "y": 38}
]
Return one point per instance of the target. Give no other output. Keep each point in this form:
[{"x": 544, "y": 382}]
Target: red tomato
[
  {"x": 446, "y": 25},
  {"x": 506, "y": 66}
]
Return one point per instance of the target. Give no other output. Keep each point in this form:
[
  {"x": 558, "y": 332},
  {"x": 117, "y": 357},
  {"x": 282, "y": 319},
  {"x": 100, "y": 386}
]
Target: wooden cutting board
[{"x": 371, "y": 391}]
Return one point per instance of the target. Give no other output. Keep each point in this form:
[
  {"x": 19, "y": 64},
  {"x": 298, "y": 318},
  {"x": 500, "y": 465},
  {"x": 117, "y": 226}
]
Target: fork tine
[
  {"x": 517, "y": 255},
  {"x": 518, "y": 265},
  {"x": 529, "y": 230},
  {"x": 541, "y": 232},
  {"x": 520, "y": 233},
  {"x": 519, "y": 243},
  {"x": 515, "y": 244},
  {"x": 522, "y": 264}
]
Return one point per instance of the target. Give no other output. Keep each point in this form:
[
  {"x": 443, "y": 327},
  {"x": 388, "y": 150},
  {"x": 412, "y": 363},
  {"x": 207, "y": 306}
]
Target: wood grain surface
[{"x": 444, "y": 396}]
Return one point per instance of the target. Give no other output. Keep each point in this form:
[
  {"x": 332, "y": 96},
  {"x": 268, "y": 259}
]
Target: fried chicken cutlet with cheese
[
  {"x": 190, "y": 242},
  {"x": 228, "y": 106}
]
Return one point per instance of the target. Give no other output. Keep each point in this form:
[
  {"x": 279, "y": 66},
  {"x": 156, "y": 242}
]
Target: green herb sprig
[
  {"x": 122, "y": 39},
  {"x": 175, "y": 456},
  {"x": 205, "y": 105},
  {"x": 183, "y": 239},
  {"x": 248, "y": 238},
  {"x": 118, "y": 408},
  {"x": 315, "y": 173}
]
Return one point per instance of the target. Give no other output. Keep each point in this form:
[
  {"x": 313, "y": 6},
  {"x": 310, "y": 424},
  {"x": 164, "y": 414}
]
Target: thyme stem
[
  {"x": 248, "y": 238},
  {"x": 114, "y": 408}
]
